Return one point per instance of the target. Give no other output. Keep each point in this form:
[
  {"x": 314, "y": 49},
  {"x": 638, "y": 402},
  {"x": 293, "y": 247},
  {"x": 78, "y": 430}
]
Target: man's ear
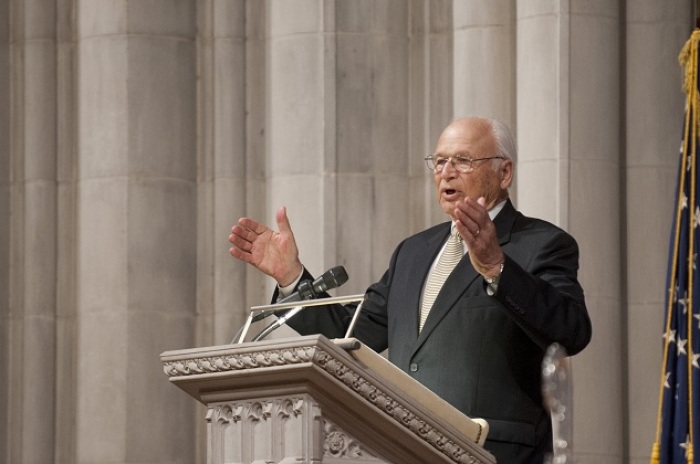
[{"x": 506, "y": 172}]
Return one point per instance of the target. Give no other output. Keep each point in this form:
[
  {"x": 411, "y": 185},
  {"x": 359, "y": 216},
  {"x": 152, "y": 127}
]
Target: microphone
[
  {"x": 332, "y": 278},
  {"x": 307, "y": 290}
]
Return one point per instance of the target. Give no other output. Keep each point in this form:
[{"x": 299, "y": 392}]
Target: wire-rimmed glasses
[{"x": 460, "y": 163}]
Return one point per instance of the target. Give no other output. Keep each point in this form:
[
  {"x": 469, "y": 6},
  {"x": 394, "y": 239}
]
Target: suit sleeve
[
  {"x": 543, "y": 295},
  {"x": 329, "y": 320},
  {"x": 333, "y": 320}
]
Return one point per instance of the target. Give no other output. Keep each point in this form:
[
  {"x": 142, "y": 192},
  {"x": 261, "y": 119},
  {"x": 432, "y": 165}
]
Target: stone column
[
  {"x": 5, "y": 226},
  {"x": 66, "y": 227},
  {"x": 335, "y": 145},
  {"x": 371, "y": 141},
  {"x": 300, "y": 123},
  {"x": 222, "y": 184},
  {"x": 30, "y": 167},
  {"x": 568, "y": 131},
  {"x": 253, "y": 165},
  {"x": 654, "y": 100},
  {"x": 136, "y": 232},
  {"x": 484, "y": 59},
  {"x": 5, "y": 218},
  {"x": 431, "y": 101}
]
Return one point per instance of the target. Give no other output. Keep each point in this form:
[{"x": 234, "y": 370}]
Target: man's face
[{"x": 471, "y": 138}]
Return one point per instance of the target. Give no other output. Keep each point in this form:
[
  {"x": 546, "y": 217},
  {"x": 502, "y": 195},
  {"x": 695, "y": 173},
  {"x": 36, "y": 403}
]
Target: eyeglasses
[{"x": 461, "y": 163}]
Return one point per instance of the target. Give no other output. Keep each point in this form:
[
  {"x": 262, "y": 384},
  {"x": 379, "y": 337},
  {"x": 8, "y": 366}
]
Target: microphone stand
[{"x": 295, "y": 308}]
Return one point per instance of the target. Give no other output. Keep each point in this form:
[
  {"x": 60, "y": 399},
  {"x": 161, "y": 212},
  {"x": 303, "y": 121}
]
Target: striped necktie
[{"x": 453, "y": 252}]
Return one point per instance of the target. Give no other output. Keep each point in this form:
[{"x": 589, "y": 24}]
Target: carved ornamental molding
[
  {"x": 339, "y": 444},
  {"x": 234, "y": 362}
]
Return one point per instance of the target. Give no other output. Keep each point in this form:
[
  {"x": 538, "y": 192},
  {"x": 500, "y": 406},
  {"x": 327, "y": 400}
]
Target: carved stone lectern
[{"x": 313, "y": 400}]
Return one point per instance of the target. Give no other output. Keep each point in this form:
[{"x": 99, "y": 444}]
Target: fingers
[
  {"x": 247, "y": 229},
  {"x": 472, "y": 218},
  {"x": 271, "y": 252},
  {"x": 283, "y": 221},
  {"x": 241, "y": 246},
  {"x": 242, "y": 232},
  {"x": 251, "y": 225},
  {"x": 242, "y": 237},
  {"x": 478, "y": 231},
  {"x": 240, "y": 255}
]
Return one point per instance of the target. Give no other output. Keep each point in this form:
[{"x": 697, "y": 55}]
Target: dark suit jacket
[{"x": 481, "y": 353}]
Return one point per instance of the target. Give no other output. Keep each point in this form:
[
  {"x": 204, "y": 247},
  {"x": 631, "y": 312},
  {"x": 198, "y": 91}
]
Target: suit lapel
[
  {"x": 461, "y": 278},
  {"x": 504, "y": 222},
  {"x": 420, "y": 273}
]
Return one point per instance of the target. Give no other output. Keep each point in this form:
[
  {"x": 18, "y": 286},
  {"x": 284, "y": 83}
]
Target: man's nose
[{"x": 449, "y": 170}]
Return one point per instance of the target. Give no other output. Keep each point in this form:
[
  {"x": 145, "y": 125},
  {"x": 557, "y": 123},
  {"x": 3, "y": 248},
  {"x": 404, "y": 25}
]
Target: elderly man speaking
[{"x": 467, "y": 307}]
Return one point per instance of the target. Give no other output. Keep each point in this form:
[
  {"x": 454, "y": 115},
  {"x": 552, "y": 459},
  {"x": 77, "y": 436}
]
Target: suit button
[{"x": 413, "y": 367}]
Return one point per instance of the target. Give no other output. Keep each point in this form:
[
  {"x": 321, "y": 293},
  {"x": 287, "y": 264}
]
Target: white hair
[
  {"x": 505, "y": 142},
  {"x": 504, "y": 139}
]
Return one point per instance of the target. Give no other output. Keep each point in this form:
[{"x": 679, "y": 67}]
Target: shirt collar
[{"x": 493, "y": 212}]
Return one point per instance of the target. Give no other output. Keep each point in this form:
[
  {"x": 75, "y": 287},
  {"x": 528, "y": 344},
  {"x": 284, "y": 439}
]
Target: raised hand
[
  {"x": 479, "y": 233},
  {"x": 274, "y": 253}
]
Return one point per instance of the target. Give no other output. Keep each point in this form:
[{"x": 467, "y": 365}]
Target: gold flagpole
[
  {"x": 687, "y": 59},
  {"x": 692, "y": 98},
  {"x": 692, "y": 90}
]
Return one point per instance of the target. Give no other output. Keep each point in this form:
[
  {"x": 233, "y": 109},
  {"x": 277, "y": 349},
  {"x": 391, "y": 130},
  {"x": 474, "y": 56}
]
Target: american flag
[{"x": 679, "y": 393}]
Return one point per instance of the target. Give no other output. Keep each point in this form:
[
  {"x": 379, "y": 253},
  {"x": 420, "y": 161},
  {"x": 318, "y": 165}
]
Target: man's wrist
[
  {"x": 494, "y": 276},
  {"x": 291, "y": 277},
  {"x": 285, "y": 290},
  {"x": 495, "y": 270},
  {"x": 493, "y": 280}
]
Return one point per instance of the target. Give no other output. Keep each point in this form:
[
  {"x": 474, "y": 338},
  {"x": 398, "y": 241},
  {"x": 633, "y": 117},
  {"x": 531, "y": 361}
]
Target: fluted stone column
[
  {"x": 372, "y": 158},
  {"x": 136, "y": 232},
  {"x": 223, "y": 167},
  {"x": 655, "y": 34},
  {"x": 484, "y": 62},
  {"x": 430, "y": 108},
  {"x": 5, "y": 218},
  {"x": 30, "y": 168},
  {"x": 484, "y": 59},
  {"x": 336, "y": 142},
  {"x": 569, "y": 136},
  {"x": 300, "y": 122},
  {"x": 336, "y": 129},
  {"x": 66, "y": 226}
]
